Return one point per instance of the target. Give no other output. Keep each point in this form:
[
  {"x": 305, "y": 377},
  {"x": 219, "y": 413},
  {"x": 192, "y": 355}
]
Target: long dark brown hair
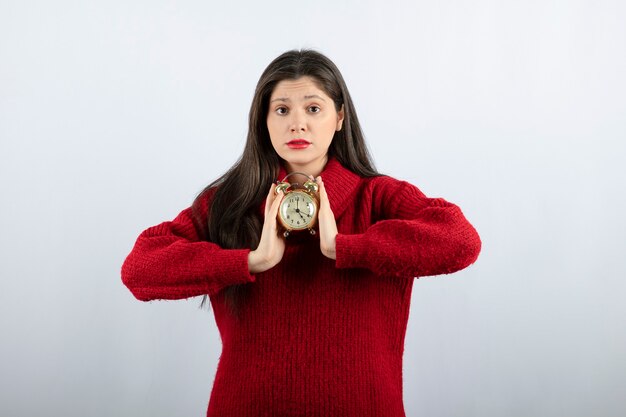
[{"x": 233, "y": 220}]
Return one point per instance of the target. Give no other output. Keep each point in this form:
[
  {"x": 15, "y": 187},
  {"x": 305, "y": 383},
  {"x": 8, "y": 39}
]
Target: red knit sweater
[{"x": 317, "y": 337}]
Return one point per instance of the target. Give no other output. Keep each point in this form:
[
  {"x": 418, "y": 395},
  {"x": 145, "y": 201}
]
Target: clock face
[{"x": 298, "y": 210}]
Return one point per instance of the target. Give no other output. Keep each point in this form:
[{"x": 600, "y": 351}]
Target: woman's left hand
[{"x": 327, "y": 224}]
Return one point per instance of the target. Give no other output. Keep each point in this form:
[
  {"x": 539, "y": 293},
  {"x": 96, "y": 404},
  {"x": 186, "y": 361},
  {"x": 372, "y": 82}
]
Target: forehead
[{"x": 297, "y": 89}]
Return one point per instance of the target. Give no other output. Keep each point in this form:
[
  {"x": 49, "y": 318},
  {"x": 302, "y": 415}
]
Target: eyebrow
[{"x": 305, "y": 97}]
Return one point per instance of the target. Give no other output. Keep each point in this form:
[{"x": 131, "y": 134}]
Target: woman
[{"x": 311, "y": 324}]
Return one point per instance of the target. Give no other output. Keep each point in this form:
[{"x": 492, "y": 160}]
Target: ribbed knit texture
[{"x": 317, "y": 337}]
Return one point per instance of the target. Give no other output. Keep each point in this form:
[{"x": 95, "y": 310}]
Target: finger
[
  {"x": 271, "y": 218},
  {"x": 269, "y": 200},
  {"x": 327, "y": 224},
  {"x": 326, "y": 216},
  {"x": 276, "y": 203},
  {"x": 323, "y": 196}
]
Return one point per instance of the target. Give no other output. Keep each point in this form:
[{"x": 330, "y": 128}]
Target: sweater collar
[{"x": 339, "y": 181}]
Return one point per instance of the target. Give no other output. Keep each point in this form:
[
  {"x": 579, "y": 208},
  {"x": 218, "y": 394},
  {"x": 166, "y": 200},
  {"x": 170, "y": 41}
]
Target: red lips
[{"x": 298, "y": 144}]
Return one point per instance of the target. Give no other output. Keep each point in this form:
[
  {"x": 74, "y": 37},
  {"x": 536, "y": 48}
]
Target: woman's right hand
[{"x": 272, "y": 244}]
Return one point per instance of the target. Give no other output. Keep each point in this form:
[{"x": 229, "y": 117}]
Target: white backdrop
[{"x": 115, "y": 114}]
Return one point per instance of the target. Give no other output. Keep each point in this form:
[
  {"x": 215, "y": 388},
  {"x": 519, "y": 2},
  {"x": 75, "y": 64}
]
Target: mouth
[{"x": 298, "y": 144}]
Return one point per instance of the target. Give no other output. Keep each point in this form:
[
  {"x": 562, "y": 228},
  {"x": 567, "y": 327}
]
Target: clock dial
[{"x": 298, "y": 210}]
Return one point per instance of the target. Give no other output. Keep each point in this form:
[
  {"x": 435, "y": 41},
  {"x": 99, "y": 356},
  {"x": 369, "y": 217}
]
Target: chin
[{"x": 301, "y": 161}]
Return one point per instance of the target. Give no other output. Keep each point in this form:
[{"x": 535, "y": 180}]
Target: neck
[{"x": 313, "y": 168}]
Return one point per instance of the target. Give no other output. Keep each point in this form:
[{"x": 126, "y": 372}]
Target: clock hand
[{"x": 298, "y": 211}]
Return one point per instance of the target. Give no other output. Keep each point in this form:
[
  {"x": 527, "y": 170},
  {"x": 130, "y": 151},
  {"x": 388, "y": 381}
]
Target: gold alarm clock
[{"x": 298, "y": 209}]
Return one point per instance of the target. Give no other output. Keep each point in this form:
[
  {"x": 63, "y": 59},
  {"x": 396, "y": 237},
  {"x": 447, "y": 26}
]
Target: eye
[
  {"x": 281, "y": 110},
  {"x": 315, "y": 109}
]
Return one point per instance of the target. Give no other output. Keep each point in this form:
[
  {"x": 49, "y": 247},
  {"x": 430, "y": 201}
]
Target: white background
[{"x": 115, "y": 114}]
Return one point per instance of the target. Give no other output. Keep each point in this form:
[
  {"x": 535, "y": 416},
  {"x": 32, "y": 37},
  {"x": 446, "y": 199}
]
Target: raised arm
[
  {"x": 169, "y": 261},
  {"x": 416, "y": 236}
]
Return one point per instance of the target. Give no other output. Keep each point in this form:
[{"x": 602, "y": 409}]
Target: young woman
[{"x": 311, "y": 324}]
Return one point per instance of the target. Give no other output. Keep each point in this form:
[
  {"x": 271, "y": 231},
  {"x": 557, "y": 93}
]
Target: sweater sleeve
[
  {"x": 169, "y": 261},
  {"x": 417, "y": 236}
]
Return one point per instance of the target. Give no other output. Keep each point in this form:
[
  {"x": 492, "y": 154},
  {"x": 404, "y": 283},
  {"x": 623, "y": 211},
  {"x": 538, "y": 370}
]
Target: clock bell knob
[
  {"x": 281, "y": 186},
  {"x": 311, "y": 186}
]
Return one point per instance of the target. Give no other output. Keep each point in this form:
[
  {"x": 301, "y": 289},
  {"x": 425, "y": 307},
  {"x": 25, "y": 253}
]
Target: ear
[{"x": 340, "y": 116}]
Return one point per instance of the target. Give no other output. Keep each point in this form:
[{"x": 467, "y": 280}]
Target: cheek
[
  {"x": 271, "y": 127},
  {"x": 330, "y": 123},
  {"x": 274, "y": 124}
]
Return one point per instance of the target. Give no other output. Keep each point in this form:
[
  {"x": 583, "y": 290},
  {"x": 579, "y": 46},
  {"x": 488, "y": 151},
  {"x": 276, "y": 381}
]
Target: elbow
[
  {"x": 461, "y": 245},
  {"x": 455, "y": 253},
  {"x": 132, "y": 278},
  {"x": 467, "y": 249}
]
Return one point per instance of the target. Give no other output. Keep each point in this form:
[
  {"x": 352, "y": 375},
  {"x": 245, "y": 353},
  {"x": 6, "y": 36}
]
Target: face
[{"x": 301, "y": 121}]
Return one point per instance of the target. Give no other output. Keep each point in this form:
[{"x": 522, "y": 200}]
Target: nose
[{"x": 298, "y": 122}]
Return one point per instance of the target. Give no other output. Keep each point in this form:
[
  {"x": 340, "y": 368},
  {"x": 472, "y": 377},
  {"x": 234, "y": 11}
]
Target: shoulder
[
  {"x": 199, "y": 209},
  {"x": 203, "y": 200},
  {"x": 387, "y": 194},
  {"x": 385, "y": 186}
]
